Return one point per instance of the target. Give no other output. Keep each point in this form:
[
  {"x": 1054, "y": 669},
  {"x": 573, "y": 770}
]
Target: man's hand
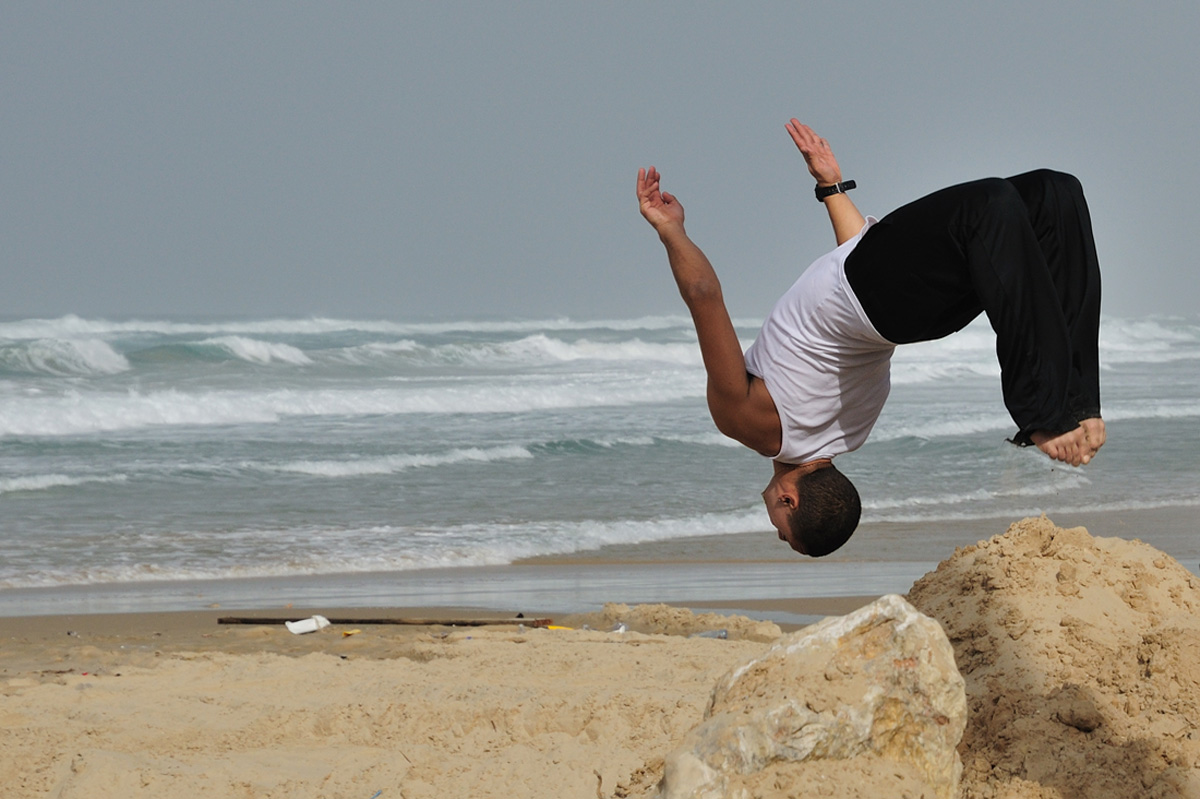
[
  {"x": 661, "y": 209},
  {"x": 817, "y": 154},
  {"x": 847, "y": 221}
]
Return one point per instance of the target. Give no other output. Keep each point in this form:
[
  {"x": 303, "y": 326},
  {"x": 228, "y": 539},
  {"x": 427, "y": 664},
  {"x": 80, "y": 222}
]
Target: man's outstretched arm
[
  {"x": 845, "y": 217},
  {"x": 735, "y": 401}
]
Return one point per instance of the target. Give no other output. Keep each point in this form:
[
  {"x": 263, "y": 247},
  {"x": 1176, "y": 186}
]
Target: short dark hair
[{"x": 827, "y": 513}]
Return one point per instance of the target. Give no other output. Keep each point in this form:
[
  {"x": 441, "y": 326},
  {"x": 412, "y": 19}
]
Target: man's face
[{"x": 779, "y": 497}]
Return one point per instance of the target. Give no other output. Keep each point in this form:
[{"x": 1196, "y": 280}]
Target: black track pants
[{"x": 1021, "y": 251}]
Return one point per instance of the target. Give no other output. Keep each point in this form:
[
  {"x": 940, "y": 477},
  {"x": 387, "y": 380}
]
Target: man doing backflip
[{"x": 815, "y": 380}]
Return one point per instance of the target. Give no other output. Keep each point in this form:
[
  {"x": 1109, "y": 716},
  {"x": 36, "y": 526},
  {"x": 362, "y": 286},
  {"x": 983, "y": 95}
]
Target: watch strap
[{"x": 837, "y": 188}]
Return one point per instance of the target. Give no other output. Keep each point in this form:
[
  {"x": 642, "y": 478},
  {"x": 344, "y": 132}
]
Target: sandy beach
[{"x": 141, "y": 704}]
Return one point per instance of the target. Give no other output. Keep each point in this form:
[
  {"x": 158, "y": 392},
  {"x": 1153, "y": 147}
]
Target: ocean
[{"x": 162, "y": 464}]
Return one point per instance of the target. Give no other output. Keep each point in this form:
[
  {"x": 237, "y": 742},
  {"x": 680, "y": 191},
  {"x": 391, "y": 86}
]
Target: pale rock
[{"x": 879, "y": 684}]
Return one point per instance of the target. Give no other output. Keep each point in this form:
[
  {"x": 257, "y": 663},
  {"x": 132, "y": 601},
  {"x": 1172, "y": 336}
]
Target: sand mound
[
  {"x": 670, "y": 620},
  {"x": 1080, "y": 656}
]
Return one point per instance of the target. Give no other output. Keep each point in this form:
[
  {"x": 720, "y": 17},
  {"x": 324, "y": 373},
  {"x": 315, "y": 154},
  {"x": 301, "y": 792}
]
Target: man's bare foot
[
  {"x": 1070, "y": 447},
  {"x": 1094, "y": 436}
]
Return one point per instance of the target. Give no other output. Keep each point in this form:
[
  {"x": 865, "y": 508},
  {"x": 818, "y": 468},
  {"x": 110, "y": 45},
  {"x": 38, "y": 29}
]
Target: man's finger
[
  {"x": 802, "y": 135},
  {"x": 647, "y": 183}
]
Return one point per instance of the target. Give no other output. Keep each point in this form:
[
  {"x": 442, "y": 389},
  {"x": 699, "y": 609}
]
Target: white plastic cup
[{"x": 306, "y": 625}]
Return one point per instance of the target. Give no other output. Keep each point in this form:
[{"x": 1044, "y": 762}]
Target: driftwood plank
[{"x": 390, "y": 620}]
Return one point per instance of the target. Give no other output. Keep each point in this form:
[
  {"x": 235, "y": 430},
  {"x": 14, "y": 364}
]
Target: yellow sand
[{"x": 1079, "y": 654}]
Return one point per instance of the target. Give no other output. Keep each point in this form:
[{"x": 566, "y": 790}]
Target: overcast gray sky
[{"x": 413, "y": 160}]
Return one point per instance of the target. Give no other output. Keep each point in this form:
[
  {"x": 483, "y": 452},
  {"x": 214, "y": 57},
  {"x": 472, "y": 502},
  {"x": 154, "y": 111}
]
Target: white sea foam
[
  {"x": 42, "y": 482},
  {"x": 893, "y": 428},
  {"x": 1117, "y": 335},
  {"x": 74, "y": 412},
  {"x": 1148, "y": 341},
  {"x": 311, "y": 551},
  {"x": 397, "y": 463},
  {"x": 74, "y": 326},
  {"x": 534, "y": 350},
  {"x": 273, "y": 553},
  {"x": 709, "y": 439},
  {"x": 1039, "y": 489},
  {"x": 966, "y": 424},
  {"x": 907, "y": 372},
  {"x": 540, "y": 348},
  {"x": 255, "y": 351},
  {"x": 969, "y": 353},
  {"x": 1161, "y": 409},
  {"x": 702, "y": 439},
  {"x": 63, "y": 356},
  {"x": 942, "y": 514},
  {"x": 972, "y": 351},
  {"x": 374, "y": 351}
]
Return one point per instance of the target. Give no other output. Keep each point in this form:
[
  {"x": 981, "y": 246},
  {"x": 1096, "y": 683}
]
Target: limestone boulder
[{"x": 866, "y": 704}]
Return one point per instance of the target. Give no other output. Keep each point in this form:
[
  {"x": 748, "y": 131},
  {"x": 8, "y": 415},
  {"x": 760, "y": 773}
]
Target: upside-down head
[{"x": 814, "y": 507}]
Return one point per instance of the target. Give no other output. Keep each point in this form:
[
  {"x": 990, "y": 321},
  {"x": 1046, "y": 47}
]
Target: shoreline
[
  {"x": 732, "y": 572},
  {"x": 898, "y": 541},
  {"x": 551, "y": 590}
]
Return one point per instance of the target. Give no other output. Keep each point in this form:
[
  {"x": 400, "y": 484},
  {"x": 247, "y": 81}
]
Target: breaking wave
[
  {"x": 390, "y": 464},
  {"x": 61, "y": 357},
  {"x": 71, "y": 326},
  {"x": 74, "y": 412},
  {"x": 255, "y": 351},
  {"x": 316, "y": 551}
]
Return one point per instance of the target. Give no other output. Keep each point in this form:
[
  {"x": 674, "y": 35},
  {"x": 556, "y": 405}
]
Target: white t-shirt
[{"x": 824, "y": 364}]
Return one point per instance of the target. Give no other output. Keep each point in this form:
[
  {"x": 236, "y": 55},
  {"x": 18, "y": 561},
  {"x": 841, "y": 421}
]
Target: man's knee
[
  {"x": 1041, "y": 184},
  {"x": 999, "y": 198}
]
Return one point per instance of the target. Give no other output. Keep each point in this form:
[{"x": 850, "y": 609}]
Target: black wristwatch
[{"x": 837, "y": 188}]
